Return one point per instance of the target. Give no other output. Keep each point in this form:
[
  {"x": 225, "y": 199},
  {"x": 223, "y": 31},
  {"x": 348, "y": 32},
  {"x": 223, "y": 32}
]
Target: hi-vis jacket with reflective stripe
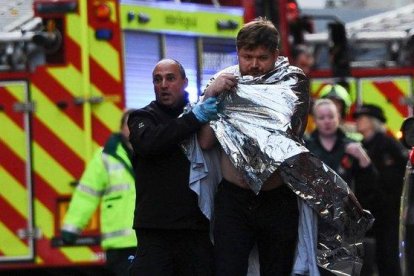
[{"x": 108, "y": 180}]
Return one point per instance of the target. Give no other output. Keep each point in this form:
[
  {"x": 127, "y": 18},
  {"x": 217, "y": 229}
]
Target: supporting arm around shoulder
[{"x": 151, "y": 136}]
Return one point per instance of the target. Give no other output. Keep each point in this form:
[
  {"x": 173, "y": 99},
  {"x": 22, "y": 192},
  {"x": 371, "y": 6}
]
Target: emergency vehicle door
[{"x": 16, "y": 204}]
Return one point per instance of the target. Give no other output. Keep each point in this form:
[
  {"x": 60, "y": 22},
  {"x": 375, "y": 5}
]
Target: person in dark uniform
[
  {"x": 346, "y": 157},
  {"x": 390, "y": 158},
  {"x": 173, "y": 234}
]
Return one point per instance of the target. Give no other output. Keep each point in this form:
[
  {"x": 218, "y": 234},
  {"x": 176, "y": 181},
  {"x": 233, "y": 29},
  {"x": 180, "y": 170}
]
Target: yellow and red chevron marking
[
  {"x": 67, "y": 80},
  {"x": 388, "y": 93},
  {"x": 105, "y": 61},
  {"x": 13, "y": 192},
  {"x": 385, "y": 92},
  {"x": 393, "y": 93},
  {"x": 58, "y": 145}
]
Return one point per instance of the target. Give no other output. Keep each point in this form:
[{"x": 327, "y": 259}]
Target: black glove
[{"x": 69, "y": 237}]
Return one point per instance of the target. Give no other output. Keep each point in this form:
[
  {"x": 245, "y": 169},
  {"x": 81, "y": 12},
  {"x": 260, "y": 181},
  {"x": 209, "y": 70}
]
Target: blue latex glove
[{"x": 206, "y": 111}]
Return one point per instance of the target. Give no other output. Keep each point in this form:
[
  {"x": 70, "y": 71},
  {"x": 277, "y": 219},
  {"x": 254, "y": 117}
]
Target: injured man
[{"x": 271, "y": 195}]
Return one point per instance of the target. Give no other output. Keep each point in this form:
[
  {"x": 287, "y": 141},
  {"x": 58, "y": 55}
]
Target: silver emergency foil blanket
[
  {"x": 254, "y": 131},
  {"x": 342, "y": 222}
]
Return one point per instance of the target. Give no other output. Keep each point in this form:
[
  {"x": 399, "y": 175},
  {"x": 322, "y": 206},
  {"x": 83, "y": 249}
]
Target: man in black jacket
[{"x": 173, "y": 233}]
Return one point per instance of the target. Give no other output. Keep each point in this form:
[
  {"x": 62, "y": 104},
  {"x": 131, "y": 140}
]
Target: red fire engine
[
  {"x": 69, "y": 67},
  {"x": 374, "y": 56}
]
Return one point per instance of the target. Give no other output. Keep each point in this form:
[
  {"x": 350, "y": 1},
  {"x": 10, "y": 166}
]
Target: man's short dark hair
[
  {"x": 259, "y": 32},
  {"x": 180, "y": 66}
]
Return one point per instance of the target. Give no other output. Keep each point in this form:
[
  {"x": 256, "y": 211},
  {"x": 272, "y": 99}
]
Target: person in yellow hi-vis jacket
[{"x": 109, "y": 181}]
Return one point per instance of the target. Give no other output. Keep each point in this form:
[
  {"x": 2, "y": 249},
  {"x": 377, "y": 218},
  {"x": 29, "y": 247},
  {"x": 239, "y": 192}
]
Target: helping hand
[
  {"x": 223, "y": 83},
  {"x": 206, "y": 111}
]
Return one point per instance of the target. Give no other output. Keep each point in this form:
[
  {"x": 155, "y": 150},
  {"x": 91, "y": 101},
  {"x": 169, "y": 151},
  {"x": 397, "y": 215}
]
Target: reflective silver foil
[
  {"x": 259, "y": 131},
  {"x": 252, "y": 128}
]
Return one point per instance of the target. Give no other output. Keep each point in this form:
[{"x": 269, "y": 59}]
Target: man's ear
[{"x": 185, "y": 83}]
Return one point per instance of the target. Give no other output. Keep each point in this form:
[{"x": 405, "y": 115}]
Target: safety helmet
[{"x": 337, "y": 92}]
